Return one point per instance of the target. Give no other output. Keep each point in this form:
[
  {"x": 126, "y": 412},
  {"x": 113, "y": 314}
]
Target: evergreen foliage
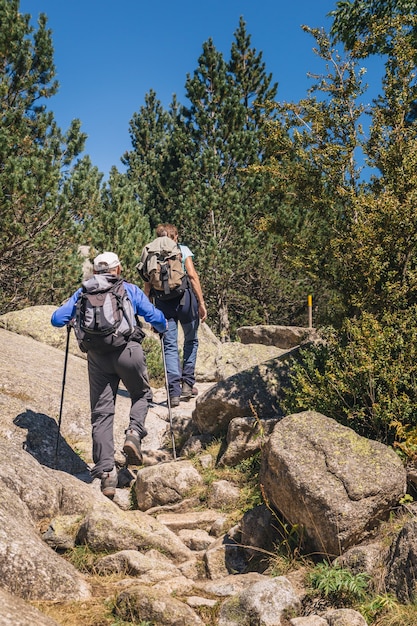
[
  {"x": 225, "y": 125},
  {"x": 375, "y": 251},
  {"x": 270, "y": 197},
  {"x": 363, "y": 375},
  {"x": 356, "y": 22},
  {"x": 193, "y": 166},
  {"x": 147, "y": 162},
  {"x": 38, "y": 248},
  {"x": 312, "y": 151},
  {"x": 118, "y": 224}
]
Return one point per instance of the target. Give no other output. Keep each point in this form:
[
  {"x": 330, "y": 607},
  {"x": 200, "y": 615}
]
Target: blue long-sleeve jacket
[{"x": 141, "y": 306}]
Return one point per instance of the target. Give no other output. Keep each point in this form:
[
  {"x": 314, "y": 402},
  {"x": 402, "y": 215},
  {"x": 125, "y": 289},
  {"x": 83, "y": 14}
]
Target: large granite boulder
[
  {"x": 256, "y": 391},
  {"x": 284, "y": 337},
  {"x": 334, "y": 484}
]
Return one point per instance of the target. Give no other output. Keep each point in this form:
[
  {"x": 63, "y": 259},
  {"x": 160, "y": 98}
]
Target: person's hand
[
  {"x": 158, "y": 332},
  {"x": 202, "y": 312}
]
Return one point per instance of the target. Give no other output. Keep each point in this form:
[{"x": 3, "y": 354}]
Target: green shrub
[
  {"x": 336, "y": 583},
  {"x": 152, "y": 350},
  {"x": 382, "y": 604},
  {"x": 363, "y": 375}
]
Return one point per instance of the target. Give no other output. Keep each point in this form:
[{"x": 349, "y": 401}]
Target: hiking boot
[
  {"x": 188, "y": 391},
  {"x": 132, "y": 449},
  {"x": 174, "y": 401},
  {"x": 109, "y": 482}
]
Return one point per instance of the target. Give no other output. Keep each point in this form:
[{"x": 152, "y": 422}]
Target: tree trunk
[{"x": 223, "y": 320}]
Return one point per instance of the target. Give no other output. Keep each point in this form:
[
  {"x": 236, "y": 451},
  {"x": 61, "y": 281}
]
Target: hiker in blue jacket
[{"x": 105, "y": 370}]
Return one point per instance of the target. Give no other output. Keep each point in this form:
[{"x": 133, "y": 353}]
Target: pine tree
[
  {"x": 38, "y": 235},
  {"x": 118, "y": 224},
  {"x": 223, "y": 199},
  {"x": 226, "y": 197},
  {"x": 150, "y": 131},
  {"x": 196, "y": 166},
  {"x": 248, "y": 73}
]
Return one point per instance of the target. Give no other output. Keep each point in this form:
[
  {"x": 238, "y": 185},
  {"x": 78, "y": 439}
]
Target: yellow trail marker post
[{"x": 310, "y": 310}]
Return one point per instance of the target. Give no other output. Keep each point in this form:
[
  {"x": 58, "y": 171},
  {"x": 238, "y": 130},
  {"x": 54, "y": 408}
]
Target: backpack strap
[{"x": 165, "y": 277}]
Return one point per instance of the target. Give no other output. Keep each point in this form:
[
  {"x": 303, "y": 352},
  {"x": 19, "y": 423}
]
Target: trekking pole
[
  {"x": 168, "y": 398},
  {"x": 62, "y": 395}
]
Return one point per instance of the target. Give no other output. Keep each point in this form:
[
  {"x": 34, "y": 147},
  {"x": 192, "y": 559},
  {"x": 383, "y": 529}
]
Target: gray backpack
[{"x": 104, "y": 318}]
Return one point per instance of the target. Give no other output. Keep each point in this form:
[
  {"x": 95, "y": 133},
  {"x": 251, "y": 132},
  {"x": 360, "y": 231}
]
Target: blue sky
[{"x": 109, "y": 54}]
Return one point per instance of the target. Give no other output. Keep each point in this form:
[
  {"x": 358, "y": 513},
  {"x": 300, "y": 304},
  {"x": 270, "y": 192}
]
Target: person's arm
[
  {"x": 66, "y": 312},
  {"x": 196, "y": 286},
  {"x": 146, "y": 309},
  {"x": 147, "y": 289}
]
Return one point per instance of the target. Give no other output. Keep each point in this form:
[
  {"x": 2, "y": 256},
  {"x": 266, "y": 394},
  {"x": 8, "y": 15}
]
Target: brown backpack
[{"x": 161, "y": 266}]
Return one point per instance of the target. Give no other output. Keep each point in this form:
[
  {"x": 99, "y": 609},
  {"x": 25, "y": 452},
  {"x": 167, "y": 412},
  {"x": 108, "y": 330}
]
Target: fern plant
[{"x": 336, "y": 583}]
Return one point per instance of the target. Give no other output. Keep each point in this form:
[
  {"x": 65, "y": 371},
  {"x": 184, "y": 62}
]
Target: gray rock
[
  {"x": 336, "y": 487},
  {"x": 235, "y": 357},
  {"x": 150, "y": 567},
  {"x": 75, "y": 495},
  {"x": 195, "y": 445},
  {"x": 30, "y": 396},
  {"x": 284, "y": 337},
  {"x": 227, "y": 586},
  {"x": 17, "y": 612},
  {"x": 35, "y": 322},
  {"x": 142, "y": 603},
  {"x": 128, "y": 530},
  {"x": 24, "y": 476},
  {"x": 224, "y": 556},
  {"x": 196, "y": 601},
  {"x": 310, "y": 620},
  {"x": 196, "y": 540},
  {"x": 401, "y": 573},
  {"x": 29, "y": 568},
  {"x": 192, "y": 569},
  {"x": 259, "y": 537},
  {"x": 245, "y": 437},
  {"x": 178, "y": 586},
  {"x": 167, "y": 483},
  {"x": 183, "y": 506},
  {"x": 223, "y": 494},
  {"x": 369, "y": 558},
  {"x": 65, "y": 507},
  {"x": 61, "y": 532},
  {"x": 255, "y": 390},
  {"x": 344, "y": 617},
  {"x": 204, "y": 520},
  {"x": 262, "y": 602}
]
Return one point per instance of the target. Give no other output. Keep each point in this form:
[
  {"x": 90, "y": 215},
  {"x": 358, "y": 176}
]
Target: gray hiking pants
[{"x": 105, "y": 372}]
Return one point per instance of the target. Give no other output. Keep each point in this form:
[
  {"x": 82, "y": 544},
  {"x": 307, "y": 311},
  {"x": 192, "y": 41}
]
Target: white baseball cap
[{"x": 106, "y": 261}]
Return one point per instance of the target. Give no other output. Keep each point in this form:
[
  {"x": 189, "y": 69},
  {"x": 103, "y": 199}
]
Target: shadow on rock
[{"x": 48, "y": 446}]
